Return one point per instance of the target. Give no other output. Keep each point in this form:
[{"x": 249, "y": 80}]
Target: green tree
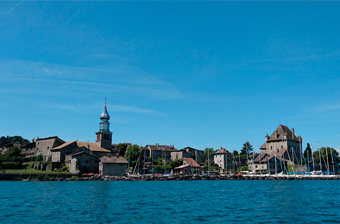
[
  {"x": 325, "y": 151},
  {"x": 39, "y": 157},
  {"x": 121, "y": 147},
  {"x": 308, "y": 152},
  {"x": 17, "y": 139},
  {"x": 13, "y": 155},
  {"x": 208, "y": 151},
  {"x": 244, "y": 168},
  {"x": 175, "y": 163},
  {"x": 13, "y": 151},
  {"x": 235, "y": 154},
  {"x": 247, "y": 148},
  {"x": 134, "y": 152}
]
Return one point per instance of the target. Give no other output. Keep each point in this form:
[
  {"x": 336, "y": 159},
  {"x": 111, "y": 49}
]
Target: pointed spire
[{"x": 105, "y": 114}]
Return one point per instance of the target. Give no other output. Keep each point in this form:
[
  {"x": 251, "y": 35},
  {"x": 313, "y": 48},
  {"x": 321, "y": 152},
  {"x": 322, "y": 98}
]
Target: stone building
[
  {"x": 41, "y": 146},
  {"x": 190, "y": 166},
  {"x": 112, "y": 165},
  {"x": 222, "y": 158},
  {"x": 84, "y": 156},
  {"x": 7, "y": 142},
  {"x": 188, "y": 152},
  {"x": 158, "y": 151},
  {"x": 283, "y": 139}
]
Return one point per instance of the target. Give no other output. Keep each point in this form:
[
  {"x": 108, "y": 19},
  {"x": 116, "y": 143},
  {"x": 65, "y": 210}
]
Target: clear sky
[{"x": 181, "y": 73}]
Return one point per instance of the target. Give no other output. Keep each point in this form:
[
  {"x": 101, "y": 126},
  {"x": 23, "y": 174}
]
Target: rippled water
[{"x": 170, "y": 202}]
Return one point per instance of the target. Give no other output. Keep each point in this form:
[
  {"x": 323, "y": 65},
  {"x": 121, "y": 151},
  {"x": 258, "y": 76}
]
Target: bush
[
  {"x": 33, "y": 158},
  {"x": 64, "y": 168},
  {"x": 18, "y": 159},
  {"x": 12, "y": 165},
  {"x": 244, "y": 168},
  {"x": 40, "y": 158}
]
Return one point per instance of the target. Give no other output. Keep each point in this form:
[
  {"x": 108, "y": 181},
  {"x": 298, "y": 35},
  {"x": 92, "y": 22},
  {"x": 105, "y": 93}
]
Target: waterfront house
[
  {"x": 190, "y": 166},
  {"x": 188, "y": 152},
  {"x": 112, "y": 165},
  {"x": 283, "y": 139},
  {"x": 222, "y": 158}
]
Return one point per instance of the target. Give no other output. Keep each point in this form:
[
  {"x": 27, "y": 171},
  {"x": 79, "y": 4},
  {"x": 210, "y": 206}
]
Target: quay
[{"x": 74, "y": 177}]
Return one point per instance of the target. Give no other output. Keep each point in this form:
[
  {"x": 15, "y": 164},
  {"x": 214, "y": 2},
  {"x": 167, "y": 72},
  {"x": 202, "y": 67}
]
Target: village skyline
[{"x": 219, "y": 74}]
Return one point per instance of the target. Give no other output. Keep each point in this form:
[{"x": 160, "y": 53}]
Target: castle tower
[{"x": 104, "y": 135}]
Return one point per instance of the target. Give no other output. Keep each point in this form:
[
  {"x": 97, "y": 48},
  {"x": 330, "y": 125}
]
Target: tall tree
[
  {"x": 235, "y": 153},
  {"x": 121, "y": 147},
  {"x": 17, "y": 139},
  {"x": 308, "y": 152},
  {"x": 134, "y": 152},
  {"x": 247, "y": 148},
  {"x": 325, "y": 151},
  {"x": 208, "y": 151}
]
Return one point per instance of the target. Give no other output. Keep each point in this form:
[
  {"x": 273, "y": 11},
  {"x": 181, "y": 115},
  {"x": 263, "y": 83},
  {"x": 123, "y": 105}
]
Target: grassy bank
[{"x": 28, "y": 169}]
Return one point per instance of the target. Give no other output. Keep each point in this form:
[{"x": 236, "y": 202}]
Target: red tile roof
[{"x": 191, "y": 162}]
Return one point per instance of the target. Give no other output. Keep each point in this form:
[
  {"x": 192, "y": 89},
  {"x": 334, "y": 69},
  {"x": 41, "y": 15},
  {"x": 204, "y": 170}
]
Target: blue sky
[{"x": 181, "y": 73}]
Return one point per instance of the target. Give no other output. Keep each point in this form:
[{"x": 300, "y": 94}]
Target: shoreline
[{"x": 75, "y": 177}]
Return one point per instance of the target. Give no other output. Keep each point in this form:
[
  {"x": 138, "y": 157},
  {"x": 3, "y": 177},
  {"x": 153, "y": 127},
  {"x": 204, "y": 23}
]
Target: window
[
  {"x": 271, "y": 147},
  {"x": 281, "y": 146},
  {"x": 86, "y": 161}
]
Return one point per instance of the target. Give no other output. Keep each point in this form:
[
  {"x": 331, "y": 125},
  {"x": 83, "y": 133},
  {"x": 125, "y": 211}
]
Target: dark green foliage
[
  {"x": 12, "y": 155},
  {"x": 235, "y": 153},
  {"x": 122, "y": 148},
  {"x": 40, "y": 158},
  {"x": 308, "y": 153},
  {"x": 175, "y": 163},
  {"x": 244, "y": 168},
  {"x": 325, "y": 151},
  {"x": 134, "y": 152},
  {"x": 246, "y": 149},
  {"x": 33, "y": 158},
  {"x": 17, "y": 139},
  {"x": 12, "y": 165},
  {"x": 212, "y": 166},
  {"x": 208, "y": 151}
]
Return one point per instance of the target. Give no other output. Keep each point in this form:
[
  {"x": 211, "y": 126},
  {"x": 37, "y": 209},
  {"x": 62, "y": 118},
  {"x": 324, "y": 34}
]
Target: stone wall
[{"x": 112, "y": 169}]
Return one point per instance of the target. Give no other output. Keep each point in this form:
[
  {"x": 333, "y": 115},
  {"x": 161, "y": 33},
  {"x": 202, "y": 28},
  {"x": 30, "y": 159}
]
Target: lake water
[{"x": 170, "y": 202}]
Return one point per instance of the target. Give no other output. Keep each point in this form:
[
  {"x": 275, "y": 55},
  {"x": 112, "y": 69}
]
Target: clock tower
[{"x": 104, "y": 135}]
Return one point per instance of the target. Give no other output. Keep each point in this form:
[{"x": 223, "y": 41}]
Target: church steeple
[{"x": 104, "y": 136}]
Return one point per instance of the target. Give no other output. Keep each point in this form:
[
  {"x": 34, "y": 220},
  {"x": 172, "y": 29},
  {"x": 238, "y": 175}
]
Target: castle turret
[{"x": 104, "y": 136}]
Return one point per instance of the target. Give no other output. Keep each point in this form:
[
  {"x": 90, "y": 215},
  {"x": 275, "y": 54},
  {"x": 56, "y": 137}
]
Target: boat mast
[
  {"x": 239, "y": 160},
  {"x": 313, "y": 159},
  {"x": 275, "y": 157},
  {"x": 300, "y": 146},
  {"x": 208, "y": 157},
  {"x": 320, "y": 157},
  {"x": 247, "y": 151},
  {"x": 327, "y": 160},
  {"x": 284, "y": 165},
  {"x": 293, "y": 160},
  {"x": 268, "y": 156},
  {"x": 330, "y": 147}
]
